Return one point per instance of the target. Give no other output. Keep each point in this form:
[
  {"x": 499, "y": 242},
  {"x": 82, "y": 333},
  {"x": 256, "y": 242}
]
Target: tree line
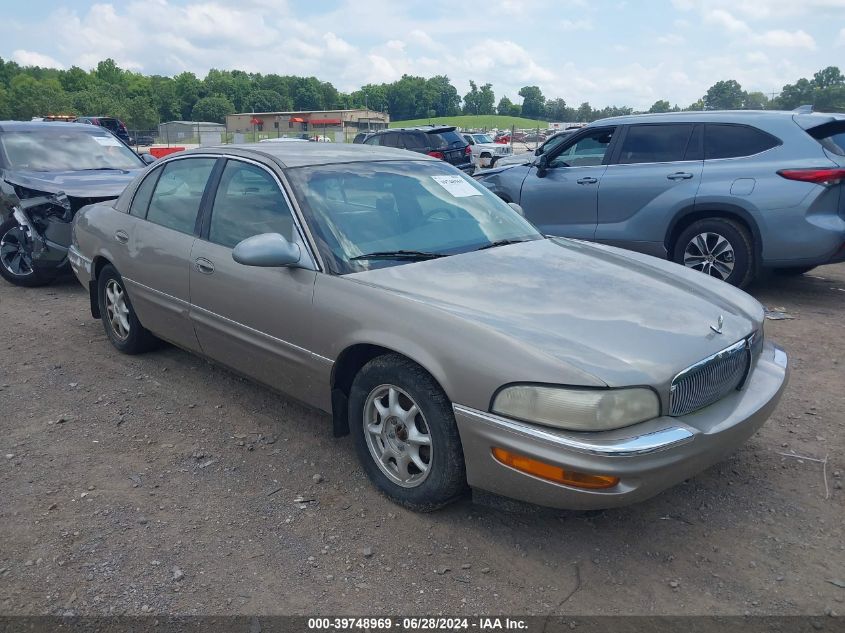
[{"x": 142, "y": 101}]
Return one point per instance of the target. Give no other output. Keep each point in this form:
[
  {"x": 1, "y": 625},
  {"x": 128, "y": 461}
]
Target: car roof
[
  {"x": 421, "y": 128},
  {"x": 707, "y": 116},
  {"x": 31, "y": 126},
  {"x": 308, "y": 154}
]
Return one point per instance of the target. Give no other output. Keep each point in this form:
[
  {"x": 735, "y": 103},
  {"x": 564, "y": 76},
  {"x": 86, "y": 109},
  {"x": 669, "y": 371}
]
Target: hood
[
  {"x": 77, "y": 184},
  {"x": 624, "y": 318}
]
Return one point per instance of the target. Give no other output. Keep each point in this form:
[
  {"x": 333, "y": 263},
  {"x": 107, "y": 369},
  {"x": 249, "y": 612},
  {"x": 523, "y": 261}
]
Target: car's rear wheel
[
  {"x": 119, "y": 319},
  {"x": 16, "y": 265},
  {"x": 794, "y": 272},
  {"x": 718, "y": 247},
  {"x": 405, "y": 434}
]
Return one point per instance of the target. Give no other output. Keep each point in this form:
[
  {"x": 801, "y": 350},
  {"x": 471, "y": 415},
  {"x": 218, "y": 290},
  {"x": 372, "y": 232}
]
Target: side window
[
  {"x": 176, "y": 199},
  {"x": 248, "y": 202},
  {"x": 732, "y": 141},
  {"x": 141, "y": 201},
  {"x": 655, "y": 143},
  {"x": 586, "y": 151},
  {"x": 414, "y": 141},
  {"x": 552, "y": 144},
  {"x": 390, "y": 140},
  {"x": 373, "y": 140}
]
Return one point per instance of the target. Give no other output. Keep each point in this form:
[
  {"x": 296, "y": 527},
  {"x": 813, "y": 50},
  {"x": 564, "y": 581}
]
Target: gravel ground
[{"x": 163, "y": 484}]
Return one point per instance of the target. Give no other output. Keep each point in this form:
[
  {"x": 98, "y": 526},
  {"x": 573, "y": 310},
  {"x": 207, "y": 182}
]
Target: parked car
[
  {"x": 456, "y": 343},
  {"x": 441, "y": 141},
  {"x": 47, "y": 172},
  {"x": 724, "y": 193},
  {"x": 142, "y": 139},
  {"x": 360, "y": 137},
  {"x": 484, "y": 151},
  {"x": 528, "y": 157},
  {"x": 113, "y": 125}
]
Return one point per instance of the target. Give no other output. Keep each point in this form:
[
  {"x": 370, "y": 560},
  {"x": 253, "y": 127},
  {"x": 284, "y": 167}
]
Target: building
[
  {"x": 338, "y": 125},
  {"x": 188, "y": 131}
]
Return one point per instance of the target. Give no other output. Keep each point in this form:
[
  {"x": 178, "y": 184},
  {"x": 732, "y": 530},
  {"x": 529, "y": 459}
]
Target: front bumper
[{"x": 647, "y": 457}]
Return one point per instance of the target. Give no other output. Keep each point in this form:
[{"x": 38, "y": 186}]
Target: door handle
[
  {"x": 121, "y": 236},
  {"x": 589, "y": 180},
  {"x": 680, "y": 175},
  {"x": 204, "y": 266}
]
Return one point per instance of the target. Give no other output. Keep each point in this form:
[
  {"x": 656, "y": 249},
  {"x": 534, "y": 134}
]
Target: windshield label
[
  {"x": 457, "y": 186},
  {"x": 107, "y": 141}
]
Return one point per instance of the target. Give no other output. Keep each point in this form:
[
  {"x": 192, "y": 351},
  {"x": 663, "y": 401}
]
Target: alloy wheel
[
  {"x": 711, "y": 254},
  {"x": 116, "y": 309},
  {"x": 398, "y": 436},
  {"x": 14, "y": 252}
]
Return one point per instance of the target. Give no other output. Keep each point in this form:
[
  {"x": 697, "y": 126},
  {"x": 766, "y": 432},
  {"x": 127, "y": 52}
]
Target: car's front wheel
[
  {"x": 119, "y": 319},
  {"x": 405, "y": 434},
  {"x": 719, "y": 247},
  {"x": 16, "y": 265}
]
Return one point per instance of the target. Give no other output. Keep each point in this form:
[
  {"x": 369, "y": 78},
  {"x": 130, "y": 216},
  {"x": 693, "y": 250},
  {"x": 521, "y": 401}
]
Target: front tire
[
  {"x": 719, "y": 247},
  {"x": 405, "y": 434},
  {"x": 16, "y": 264},
  {"x": 119, "y": 319}
]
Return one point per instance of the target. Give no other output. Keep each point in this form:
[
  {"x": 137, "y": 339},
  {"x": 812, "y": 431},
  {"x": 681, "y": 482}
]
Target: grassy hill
[{"x": 477, "y": 121}]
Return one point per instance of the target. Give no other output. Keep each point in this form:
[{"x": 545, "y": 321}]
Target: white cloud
[
  {"x": 31, "y": 58},
  {"x": 786, "y": 39},
  {"x": 723, "y": 19},
  {"x": 671, "y": 40},
  {"x": 576, "y": 25},
  {"x": 840, "y": 41}
]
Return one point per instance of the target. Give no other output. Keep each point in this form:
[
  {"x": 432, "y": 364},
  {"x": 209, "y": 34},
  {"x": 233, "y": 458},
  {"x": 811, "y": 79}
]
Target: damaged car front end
[{"x": 48, "y": 172}]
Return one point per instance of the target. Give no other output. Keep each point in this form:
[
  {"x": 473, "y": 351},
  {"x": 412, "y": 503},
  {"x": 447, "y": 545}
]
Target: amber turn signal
[{"x": 553, "y": 473}]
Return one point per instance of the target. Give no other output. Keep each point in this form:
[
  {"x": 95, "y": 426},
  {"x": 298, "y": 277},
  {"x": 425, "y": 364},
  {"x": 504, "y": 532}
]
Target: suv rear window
[
  {"x": 731, "y": 141},
  {"x": 445, "y": 140},
  {"x": 831, "y": 136},
  {"x": 655, "y": 143}
]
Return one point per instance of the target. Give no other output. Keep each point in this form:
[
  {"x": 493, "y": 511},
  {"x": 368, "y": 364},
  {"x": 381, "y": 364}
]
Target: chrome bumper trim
[{"x": 636, "y": 445}]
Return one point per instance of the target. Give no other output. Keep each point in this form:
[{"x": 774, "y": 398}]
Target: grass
[{"x": 478, "y": 121}]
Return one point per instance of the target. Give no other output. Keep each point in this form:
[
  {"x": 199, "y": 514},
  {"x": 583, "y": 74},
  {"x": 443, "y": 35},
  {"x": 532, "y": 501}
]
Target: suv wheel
[
  {"x": 718, "y": 247},
  {"x": 405, "y": 434}
]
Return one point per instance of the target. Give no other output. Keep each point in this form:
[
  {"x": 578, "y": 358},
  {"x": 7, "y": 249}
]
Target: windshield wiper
[
  {"x": 120, "y": 169},
  {"x": 500, "y": 243},
  {"x": 412, "y": 255}
]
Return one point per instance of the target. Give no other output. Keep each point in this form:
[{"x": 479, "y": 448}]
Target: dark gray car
[
  {"x": 456, "y": 343},
  {"x": 725, "y": 193}
]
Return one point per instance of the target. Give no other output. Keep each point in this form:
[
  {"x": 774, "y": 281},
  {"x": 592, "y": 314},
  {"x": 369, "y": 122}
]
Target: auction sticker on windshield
[
  {"x": 107, "y": 140},
  {"x": 457, "y": 186}
]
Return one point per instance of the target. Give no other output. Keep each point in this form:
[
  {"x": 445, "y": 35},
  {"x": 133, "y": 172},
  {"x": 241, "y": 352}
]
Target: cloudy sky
[{"x": 608, "y": 52}]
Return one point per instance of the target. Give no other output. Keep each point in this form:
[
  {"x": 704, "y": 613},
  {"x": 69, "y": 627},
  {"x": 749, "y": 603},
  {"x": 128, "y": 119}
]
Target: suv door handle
[
  {"x": 121, "y": 236},
  {"x": 680, "y": 175},
  {"x": 204, "y": 266},
  {"x": 589, "y": 180}
]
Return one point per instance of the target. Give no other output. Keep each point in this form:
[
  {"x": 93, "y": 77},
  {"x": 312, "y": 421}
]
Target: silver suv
[{"x": 725, "y": 193}]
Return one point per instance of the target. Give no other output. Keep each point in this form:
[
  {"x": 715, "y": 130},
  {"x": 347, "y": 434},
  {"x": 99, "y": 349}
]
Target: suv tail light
[
  {"x": 436, "y": 154},
  {"x": 468, "y": 150},
  {"x": 818, "y": 176}
]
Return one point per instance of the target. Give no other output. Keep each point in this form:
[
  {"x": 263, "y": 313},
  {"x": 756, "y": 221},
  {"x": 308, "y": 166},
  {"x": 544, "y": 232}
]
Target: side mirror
[
  {"x": 148, "y": 159},
  {"x": 542, "y": 165},
  {"x": 268, "y": 250},
  {"x": 517, "y": 208},
  {"x": 538, "y": 151}
]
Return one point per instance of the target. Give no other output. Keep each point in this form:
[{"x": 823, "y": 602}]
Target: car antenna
[{"x": 804, "y": 109}]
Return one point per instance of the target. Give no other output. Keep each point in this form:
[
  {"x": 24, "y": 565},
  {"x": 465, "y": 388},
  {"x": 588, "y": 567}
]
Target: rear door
[
  {"x": 158, "y": 246},
  {"x": 256, "y": 320},
  {"x": 564, "y": 200},
  {"x": 654, "y": 173}
]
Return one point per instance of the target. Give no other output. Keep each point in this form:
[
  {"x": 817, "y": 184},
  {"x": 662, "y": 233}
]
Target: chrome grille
[{"x": 711, "y": 379}]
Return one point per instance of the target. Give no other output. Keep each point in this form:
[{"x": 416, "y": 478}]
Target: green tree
[
  {"x": 557, "y": 110},
  {"x": 660, "y": 106},
  {"x": 76, "y": 80},
  {"x": 5, "y": 105},
  {"x": 265, "y": 101},
  {"x": 472, "y": 99},
  {"x": 486, "y": 100},
  {"x": 30, "y": 97},
  {"x": 533, "y": 102},
  {"x": 584, "y": 113},
  {"x": 187, "y": 88},
  {"x": 724, "y": 95},
  {"x": 213, "y": 108},
  {"x": 139, "y": 114},
  {"x": 756, "y": 101},
  {"x": 109, "y": 72}
]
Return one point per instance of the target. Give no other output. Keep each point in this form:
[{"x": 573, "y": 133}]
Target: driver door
[{"x": 564, "y": 200}]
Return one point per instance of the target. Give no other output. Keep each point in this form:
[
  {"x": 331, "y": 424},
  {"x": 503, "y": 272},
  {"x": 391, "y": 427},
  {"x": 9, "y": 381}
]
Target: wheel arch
[
  {"x": 97, "y": 265},
  {"x": 693, "y": 213}
]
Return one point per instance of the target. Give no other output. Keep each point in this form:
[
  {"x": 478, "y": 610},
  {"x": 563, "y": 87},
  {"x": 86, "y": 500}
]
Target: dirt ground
[{"x": 163, "y": 484}]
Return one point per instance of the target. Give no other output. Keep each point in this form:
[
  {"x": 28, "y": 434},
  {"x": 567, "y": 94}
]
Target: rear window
[
  {"x": 831, "y": 136},
  {"x": 731, "y": 141},
  {"x": 446, "y": 140},
  {"x": 655, "y": 143}
]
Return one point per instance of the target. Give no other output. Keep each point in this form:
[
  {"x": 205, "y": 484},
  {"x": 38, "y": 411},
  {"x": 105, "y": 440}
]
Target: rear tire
[
  {"x": 719, "y": 247},
  {"x": 119, "y": 319},
  {"x": 16, "y": 265},
  {"x": 794, "y": 272},
  {"x": 405, "y": 434}
]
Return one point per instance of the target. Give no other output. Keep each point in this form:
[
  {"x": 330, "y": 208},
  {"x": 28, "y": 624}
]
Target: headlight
[{"x": 578, "y": 409}]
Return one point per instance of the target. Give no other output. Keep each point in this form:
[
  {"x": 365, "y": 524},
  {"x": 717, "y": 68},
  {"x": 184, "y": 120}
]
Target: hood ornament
[{"x": 718, "y": 327}]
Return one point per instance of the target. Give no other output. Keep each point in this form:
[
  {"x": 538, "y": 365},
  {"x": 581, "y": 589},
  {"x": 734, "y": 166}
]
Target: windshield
[
  {"x": 446, "y": 140},
  {"x": 482, "y": 138},
  {"x": 419, "y": 207},
  {"x": 66, "y": 150}
]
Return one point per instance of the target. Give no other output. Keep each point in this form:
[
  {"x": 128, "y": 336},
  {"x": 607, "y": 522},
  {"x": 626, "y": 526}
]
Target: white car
[{"x": 485, "y": 152}]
